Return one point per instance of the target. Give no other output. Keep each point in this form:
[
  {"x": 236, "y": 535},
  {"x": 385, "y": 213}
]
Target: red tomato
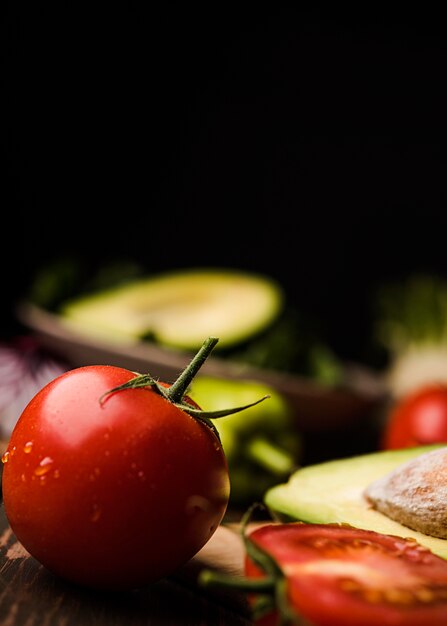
[
  {"x": 342, "y": 576},
  {"x": 116, "y": 493},
  {"x": 419, "y": 418}
]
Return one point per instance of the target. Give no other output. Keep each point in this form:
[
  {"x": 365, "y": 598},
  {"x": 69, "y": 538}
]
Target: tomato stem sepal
[
  {"x": 176, "y": 392},
  {"x": 269, "y": 591}
]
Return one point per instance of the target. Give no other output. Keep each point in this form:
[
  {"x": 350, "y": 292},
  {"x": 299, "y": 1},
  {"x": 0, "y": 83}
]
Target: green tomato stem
[
  {"x": 270, "y": 456},
  {"x": 211, "y": 578},
  {"x": 272, "y": 589},
  {"x": 178, "y": 389}
]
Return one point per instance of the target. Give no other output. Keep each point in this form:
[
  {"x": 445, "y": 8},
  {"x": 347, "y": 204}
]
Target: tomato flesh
[
  {"x": 114, "y": 494},
  {"x": 343, "y": 576},
  {"x": 418, "y": 419}
]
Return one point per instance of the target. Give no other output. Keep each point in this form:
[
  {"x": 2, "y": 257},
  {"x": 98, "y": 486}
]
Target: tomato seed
[
  {"x": 399, "y": 596},
  {"x": 373, "y": 596},
  {"x": 423, "y": 594},
  {"x": 349, "y": 585}
]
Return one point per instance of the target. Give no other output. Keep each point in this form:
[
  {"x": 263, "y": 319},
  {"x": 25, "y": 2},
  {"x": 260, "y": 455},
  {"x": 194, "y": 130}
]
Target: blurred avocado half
[{"x": 179, "y": 309}]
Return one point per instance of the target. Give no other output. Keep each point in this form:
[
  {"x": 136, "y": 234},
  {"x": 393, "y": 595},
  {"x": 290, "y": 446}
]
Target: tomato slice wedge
[{"x": 337, "y": 575}]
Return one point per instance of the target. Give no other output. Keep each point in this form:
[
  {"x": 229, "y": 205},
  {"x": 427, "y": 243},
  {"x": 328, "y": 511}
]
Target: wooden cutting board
[{"x": 32, "y": 596}]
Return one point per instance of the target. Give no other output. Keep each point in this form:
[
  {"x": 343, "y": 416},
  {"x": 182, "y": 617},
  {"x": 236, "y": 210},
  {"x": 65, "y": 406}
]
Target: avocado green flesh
[
  {"x": 215, "y": 394},
  {"x": 179, "y": 309},
  {"x": 332, "y": 492},
  {"x": 259, "y": 442}
]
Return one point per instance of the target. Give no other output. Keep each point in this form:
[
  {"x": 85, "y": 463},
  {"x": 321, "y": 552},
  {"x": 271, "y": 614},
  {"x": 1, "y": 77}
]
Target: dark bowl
[{"x": 316, "y": 407}]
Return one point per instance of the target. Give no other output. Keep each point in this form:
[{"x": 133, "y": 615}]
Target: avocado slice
[
  {"x": 333, "y": 492},
  {"x": 179, "y": 308},
  {"x": 261, "y": 443}
]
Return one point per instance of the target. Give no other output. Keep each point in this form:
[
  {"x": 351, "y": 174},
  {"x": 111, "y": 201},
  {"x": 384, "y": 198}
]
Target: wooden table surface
[{"x": 32, "y": 596}]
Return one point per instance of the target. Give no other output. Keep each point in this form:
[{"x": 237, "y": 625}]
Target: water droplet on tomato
[
  {"x": 44, "y": 466},
  {"x": 5, "y": 456},
  {"x": 28, "y": 447},
  {"x": 96, "y": 472},
  {"x": 197, "y": 503},
  {"x": 95, "y": 513}
]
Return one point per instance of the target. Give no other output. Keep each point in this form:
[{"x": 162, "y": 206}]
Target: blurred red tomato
[{"x": 418, "y": 418}]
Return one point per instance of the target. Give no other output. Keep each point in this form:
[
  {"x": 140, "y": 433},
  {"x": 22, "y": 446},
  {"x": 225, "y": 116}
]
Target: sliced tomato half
[{"x": 337, "y": 575}]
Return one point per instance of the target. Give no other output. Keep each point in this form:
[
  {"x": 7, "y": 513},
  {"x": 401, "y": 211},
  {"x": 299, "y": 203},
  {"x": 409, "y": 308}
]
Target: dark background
[{"x": 308, "y": 145}]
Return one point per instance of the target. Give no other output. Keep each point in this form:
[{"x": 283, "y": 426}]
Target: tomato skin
[
  {"x": 343, "y": 576},
  {"x": 419, "y": 418},
  {"x": 111, "y": 495}
]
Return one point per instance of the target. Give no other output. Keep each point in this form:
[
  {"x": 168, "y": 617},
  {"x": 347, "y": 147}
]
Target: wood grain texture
[{"x": 31, "y": 596}]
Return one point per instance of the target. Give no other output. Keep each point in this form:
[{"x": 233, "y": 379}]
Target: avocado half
[
  {"x": 179, "y": 309},
  {"x": 332, "y": 492}
]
